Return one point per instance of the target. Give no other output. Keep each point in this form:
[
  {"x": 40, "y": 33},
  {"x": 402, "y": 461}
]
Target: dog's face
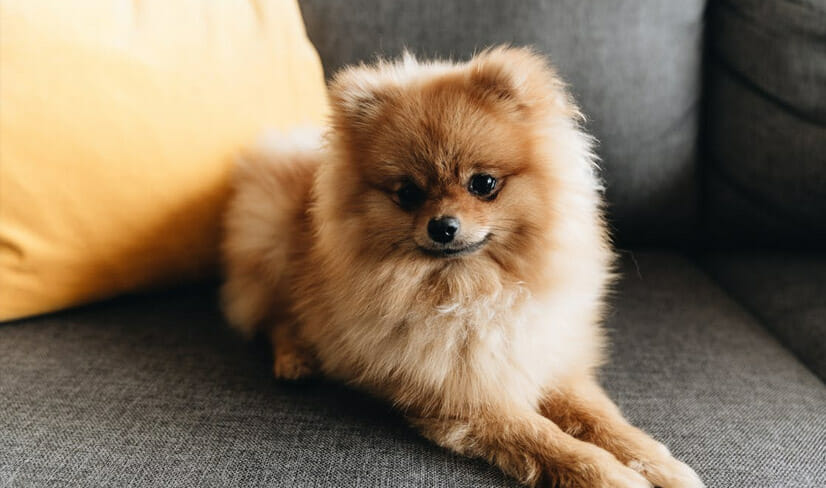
[
  {"x": 443, "y": 165},
  {"x": 443, "y": 178}
]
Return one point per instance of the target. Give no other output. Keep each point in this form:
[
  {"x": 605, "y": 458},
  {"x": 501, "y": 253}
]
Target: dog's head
[{"x": 448, "y": 163}]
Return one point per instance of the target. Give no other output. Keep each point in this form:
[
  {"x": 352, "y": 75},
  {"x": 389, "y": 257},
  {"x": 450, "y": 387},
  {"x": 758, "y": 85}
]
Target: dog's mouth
[{"x": 450, "y": 252}]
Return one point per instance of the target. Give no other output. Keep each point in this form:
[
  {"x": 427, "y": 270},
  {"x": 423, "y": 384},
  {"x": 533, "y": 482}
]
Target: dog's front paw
[
  {"x": 623, "y": 478},
  {"x": 612, "y": 473},
  {"x": 599, "y": 469},
  {"x": 665, "y": 471},
  {"x": 292, "y": 366}
]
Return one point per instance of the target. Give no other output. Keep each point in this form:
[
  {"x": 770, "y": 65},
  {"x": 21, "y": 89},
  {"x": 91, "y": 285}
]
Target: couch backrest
[
  {"x": 766, "y": 123},
  {"x": 633, "y": 65}
]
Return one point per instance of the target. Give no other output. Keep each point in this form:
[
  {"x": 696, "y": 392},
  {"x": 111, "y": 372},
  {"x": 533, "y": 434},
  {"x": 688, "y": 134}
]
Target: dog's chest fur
[{"x": 504, "y": 345}]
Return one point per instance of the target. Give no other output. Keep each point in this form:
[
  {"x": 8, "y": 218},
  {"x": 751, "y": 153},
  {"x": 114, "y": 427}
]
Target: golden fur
[{"x": 492, "y": 353}]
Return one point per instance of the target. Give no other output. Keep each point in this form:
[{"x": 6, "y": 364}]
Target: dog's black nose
[{"x": 443, "y": 230}]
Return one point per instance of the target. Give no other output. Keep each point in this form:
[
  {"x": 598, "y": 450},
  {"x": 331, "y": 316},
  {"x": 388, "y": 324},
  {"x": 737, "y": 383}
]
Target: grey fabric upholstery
[
  {"x": 787, "y": 292},
  {"x": 766, "y": 111},
  {"x": 635, "y": 67},
  {"x": 155, "y": 391}
]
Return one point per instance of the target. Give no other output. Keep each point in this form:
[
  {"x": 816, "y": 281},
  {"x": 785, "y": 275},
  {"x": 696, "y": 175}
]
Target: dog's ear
[
  {"x": 518, "y": 78},
  {"x": 356, "y": 96}
]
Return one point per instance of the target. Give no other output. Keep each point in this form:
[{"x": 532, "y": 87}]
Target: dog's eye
[
  {"x": 410, "y": 196},
  {"x": 482, "y": 184}
]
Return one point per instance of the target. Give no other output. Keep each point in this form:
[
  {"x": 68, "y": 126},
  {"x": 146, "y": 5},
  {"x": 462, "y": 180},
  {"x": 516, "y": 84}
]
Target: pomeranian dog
[{"x": 441, "y": 246}]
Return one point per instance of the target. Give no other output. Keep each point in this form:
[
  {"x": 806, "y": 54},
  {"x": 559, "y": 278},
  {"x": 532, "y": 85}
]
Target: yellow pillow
[{"x": 118, "y": 125}]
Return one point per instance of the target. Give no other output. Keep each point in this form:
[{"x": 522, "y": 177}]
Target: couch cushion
[
  {"x": 787, "y": 292},
  {"x": 633, "y": 65},
  {"x": 766, "y": 111},
  {"x": 155, "y": 390}
]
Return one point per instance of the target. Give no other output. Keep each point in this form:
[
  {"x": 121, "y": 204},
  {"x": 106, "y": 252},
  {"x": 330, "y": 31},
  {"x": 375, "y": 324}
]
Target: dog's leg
[
  {"x": 584, "y": 411},
  {"x": 530, "y": 448},
  {"x": 291, "y": 360}
]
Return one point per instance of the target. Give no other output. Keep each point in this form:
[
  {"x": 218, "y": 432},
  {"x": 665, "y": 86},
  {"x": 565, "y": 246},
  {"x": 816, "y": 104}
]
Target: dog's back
[{"x": 271, "y": 188}]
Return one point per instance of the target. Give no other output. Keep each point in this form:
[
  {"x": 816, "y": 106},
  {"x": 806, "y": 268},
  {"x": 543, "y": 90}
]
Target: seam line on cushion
[
  {"x": 791, "y": 29},
  {"x": 717, "y": 59},
  {"x": 753, "y": 314},
  {"x": 777, "y": 213}
]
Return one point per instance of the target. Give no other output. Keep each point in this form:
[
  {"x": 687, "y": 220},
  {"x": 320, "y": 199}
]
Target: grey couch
[{"x": 711, "y": 118}]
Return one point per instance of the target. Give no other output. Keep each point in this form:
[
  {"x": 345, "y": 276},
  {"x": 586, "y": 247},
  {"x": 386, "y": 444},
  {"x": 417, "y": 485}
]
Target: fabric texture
[
  {"x": 787, "y": 292},
  {"x": 156, "y": 391},
  {"x": 119, "y": 122},
  {"x": 766, "y": 118},
  {"x": 634, "y": 66}
]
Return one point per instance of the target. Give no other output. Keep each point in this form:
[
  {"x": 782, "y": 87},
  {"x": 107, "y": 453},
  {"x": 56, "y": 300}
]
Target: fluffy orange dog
[{"x": 443, "y": 248}]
